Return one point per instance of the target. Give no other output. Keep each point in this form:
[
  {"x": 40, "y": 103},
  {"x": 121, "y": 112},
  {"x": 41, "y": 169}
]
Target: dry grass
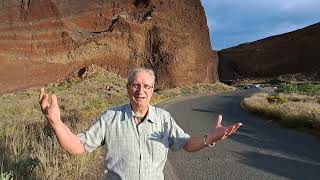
[
  {"x": 27, "y": 144},
  {"x": 31, "y": 149},
  {"x": 301, "y": 111}
]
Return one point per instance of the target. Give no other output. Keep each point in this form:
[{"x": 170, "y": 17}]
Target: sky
[{"x": 233, "y": 22}]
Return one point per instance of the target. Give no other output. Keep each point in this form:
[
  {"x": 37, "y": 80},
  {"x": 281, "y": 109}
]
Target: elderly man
[{"x": 137, "y": 135}]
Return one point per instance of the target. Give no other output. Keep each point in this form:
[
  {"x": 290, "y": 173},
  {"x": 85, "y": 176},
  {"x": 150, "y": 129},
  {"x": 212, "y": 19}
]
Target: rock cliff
[
  {"x": 169, "y": 36},
  {"x": 290, "y": 53}
]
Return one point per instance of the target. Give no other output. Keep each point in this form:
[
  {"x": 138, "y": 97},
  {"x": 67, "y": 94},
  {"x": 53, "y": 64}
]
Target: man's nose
[{"x": 140, "y": 88}]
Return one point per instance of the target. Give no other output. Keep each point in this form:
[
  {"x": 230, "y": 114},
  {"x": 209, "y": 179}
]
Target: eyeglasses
[{"x": 145, "y": 86}]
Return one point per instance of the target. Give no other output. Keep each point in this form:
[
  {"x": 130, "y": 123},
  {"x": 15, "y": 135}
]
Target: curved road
[{"x": 258, "y": 150}]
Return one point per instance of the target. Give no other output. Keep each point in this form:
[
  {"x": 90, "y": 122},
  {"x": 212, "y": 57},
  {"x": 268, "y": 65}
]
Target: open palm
[{"x": 221, "y": 132}]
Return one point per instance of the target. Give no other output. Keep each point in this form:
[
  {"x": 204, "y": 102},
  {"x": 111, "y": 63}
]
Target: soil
[{"x": 15, "y": 75}]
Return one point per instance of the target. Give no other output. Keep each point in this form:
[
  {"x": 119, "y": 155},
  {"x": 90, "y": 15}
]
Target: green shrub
[
  {"x": 277, "y": 99},
  {"x": 309, "y": 89},
  {"x": 287, "y": 88},
  {"x": 303, "y": 88}
]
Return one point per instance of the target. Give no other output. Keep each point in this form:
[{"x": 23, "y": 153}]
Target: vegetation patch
[
  {"x": 295, "y": 106},
  {"x": 277, "y": 99},
  {"x": 300, "y": 88},
  {"x": 28, "y": 146}
]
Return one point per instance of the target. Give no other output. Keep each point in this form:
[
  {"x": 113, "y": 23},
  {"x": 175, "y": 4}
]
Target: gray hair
[{"x": 135, "y": 71}]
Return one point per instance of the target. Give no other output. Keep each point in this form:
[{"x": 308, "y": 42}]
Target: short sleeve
[
  {"x": 94, "y": 136},
  {"x": 177, "y": 137}
]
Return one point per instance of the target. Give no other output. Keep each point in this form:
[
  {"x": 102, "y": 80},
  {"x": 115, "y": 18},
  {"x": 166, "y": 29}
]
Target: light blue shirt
[{"x": 134, "y": 152}]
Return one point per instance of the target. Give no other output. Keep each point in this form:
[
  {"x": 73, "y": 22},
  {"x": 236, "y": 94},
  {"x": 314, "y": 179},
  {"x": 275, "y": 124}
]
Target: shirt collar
[{"x": 150, "y": 116}]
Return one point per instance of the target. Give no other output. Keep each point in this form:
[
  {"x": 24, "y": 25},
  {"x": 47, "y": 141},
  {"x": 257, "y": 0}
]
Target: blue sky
[{"x": 232, "y": 22}]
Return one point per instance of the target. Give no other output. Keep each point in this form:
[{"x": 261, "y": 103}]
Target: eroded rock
[{"x": 169, "y": 36}]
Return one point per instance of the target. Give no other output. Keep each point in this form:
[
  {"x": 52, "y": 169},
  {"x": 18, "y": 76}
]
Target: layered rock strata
[{"x": 169, "y": 36}]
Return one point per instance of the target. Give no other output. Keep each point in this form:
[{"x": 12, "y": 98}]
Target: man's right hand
[
  {"x": 67, "y": 140},
  {"x": 49, "y": 107}
]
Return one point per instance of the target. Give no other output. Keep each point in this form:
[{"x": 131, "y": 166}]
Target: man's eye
[{"x": 147, "y": 86}]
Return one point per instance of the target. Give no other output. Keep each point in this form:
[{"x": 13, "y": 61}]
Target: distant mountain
[
  {"x": 169, "y": 36},
  {"x": 289, "y": 53}
]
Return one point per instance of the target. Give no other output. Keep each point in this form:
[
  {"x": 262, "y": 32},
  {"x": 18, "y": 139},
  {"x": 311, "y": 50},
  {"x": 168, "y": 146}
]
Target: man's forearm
[
  {"x": 194, "y": 144},
  {"x": 67, "y": 140},
  {"x": 218, "y": 133},
  {"x": 197, "y": 143}
]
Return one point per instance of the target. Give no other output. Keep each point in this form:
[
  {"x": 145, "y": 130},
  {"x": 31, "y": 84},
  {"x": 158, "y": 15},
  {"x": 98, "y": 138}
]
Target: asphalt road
[{"x": 260, "y": 149}]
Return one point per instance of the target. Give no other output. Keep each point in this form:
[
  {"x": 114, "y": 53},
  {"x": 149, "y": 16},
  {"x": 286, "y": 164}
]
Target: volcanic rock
[
  {"x": 170, "y": 37},
  {"x": 296, "y": 52}
]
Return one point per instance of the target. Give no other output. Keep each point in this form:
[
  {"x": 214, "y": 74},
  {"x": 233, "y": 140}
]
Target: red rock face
[
  {"x": 289, "y": 53},
  {"x": 170, "y": 37}
]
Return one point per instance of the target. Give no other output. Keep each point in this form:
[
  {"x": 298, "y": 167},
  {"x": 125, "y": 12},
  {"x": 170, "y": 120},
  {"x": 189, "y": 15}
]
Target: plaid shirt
[{"x": 134, "y": 151}]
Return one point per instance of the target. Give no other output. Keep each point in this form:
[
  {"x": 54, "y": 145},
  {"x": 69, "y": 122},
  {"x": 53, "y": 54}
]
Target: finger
[
  {"x": 54, "y": 101},
  {"x": 237, "y": 126},
  {"x": 226, "y": 132},
  {"x": 44, "y": 102},
  {"x": 41, "y": 94},
  {"x": 234, "y": 127},
  {"x": 45, "y": 111},
  {"x": 218, "y": 121},
  {"x": 230, "y": 131}
]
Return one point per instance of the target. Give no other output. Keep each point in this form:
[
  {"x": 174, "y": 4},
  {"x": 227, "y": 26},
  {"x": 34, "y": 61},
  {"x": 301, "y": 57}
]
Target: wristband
[{"x": 205, "y": 141}]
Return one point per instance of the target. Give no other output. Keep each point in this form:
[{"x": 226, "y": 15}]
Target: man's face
[{"x": 140, "y": 90}]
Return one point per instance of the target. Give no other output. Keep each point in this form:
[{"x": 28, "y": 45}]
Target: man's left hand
[{"x": 220, "y": 132}]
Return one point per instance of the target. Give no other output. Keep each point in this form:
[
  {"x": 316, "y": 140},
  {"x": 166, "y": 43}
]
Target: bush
[
  {"x": 277, "y": 99},
  {"x": 303, "y": 88},
  {"x": 287, "y": 88},
  {"x": 308, "y": 88}
]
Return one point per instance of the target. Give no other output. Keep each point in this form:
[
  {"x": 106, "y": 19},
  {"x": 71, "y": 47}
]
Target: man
[{"x": 137, "y": 135}]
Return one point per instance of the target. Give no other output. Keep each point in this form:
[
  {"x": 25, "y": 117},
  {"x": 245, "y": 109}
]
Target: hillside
[
  {"x": 64, "y": 36},
  {"x": 295, "y": 52}
]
